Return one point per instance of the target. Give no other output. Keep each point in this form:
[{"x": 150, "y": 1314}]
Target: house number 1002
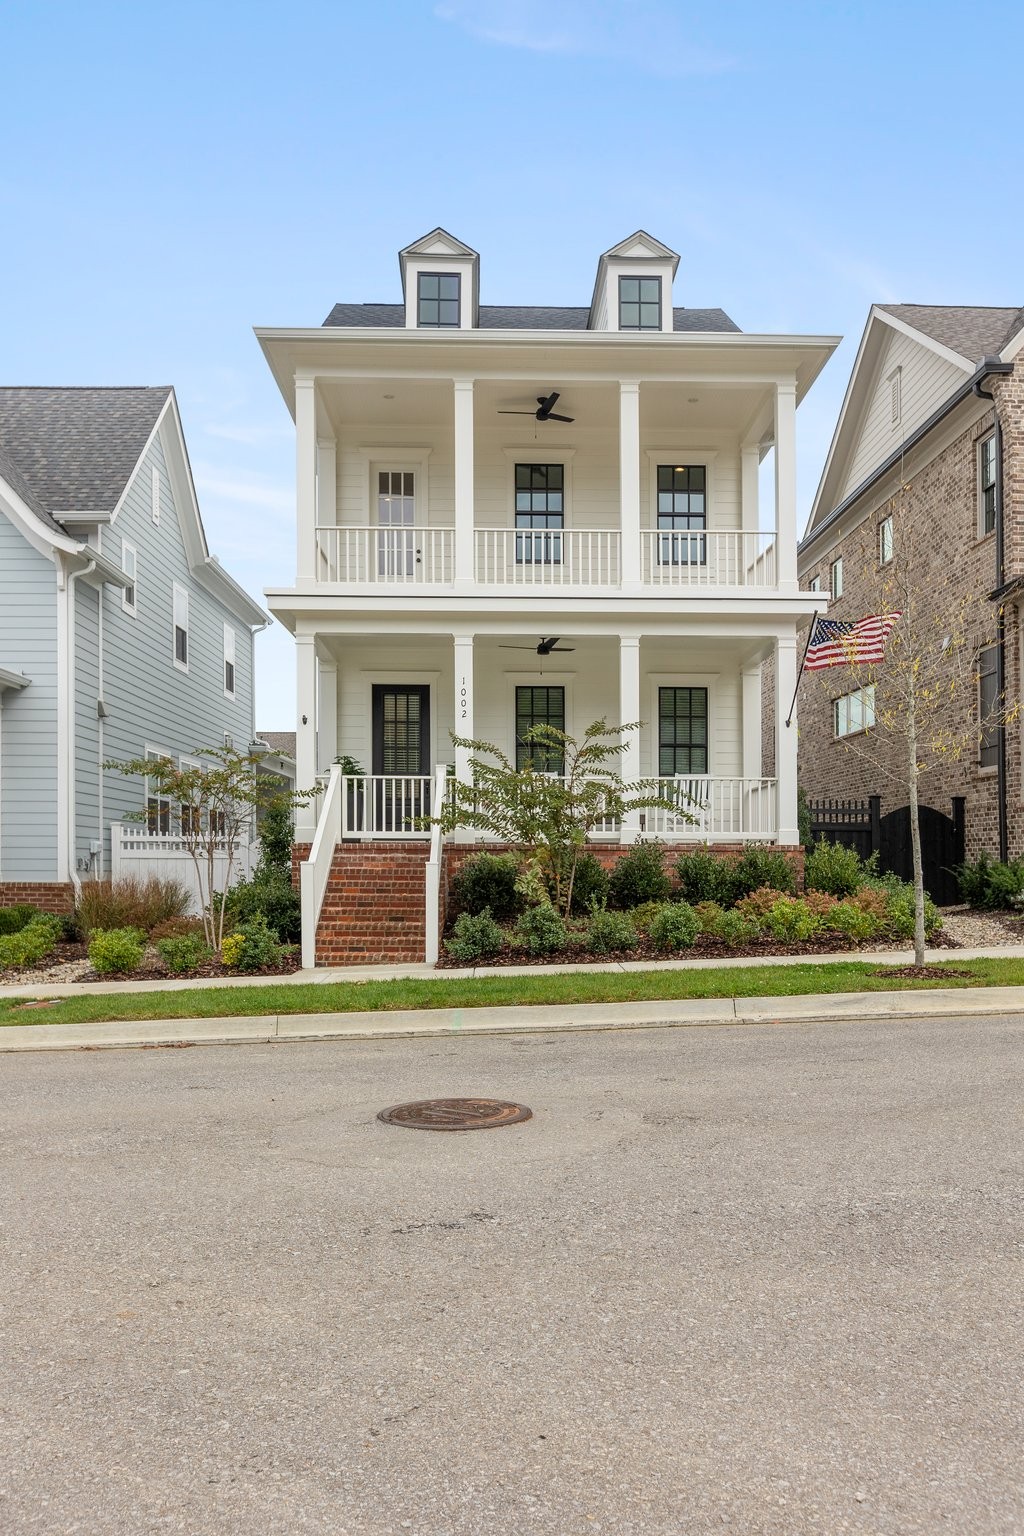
[{"x": 463, "y": 701}]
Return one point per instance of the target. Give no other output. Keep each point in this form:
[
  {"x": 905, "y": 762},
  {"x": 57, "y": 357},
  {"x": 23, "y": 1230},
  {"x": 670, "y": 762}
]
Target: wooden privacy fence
[
  {"x": 139, "y": 852},
  {"x": 854, "y": 823},
  {"x": 859, "y": 824}
]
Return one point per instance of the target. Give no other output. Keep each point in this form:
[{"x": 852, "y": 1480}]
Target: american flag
[{"x": 841, "y": 642}]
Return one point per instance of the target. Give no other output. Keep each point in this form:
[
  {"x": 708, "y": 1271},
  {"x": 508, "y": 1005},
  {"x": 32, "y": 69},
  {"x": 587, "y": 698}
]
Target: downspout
[
  {"x": 985, "y": 394},
  {"x": 73, "y": 576}
]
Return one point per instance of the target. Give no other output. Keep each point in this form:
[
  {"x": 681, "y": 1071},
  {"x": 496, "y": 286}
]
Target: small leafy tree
[
  {"x": 220, "y": 801},
  {"x": 549, "y": 815}
]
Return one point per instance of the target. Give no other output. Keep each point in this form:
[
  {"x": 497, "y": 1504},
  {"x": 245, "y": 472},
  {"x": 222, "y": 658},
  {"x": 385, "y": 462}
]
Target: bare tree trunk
[{"x": 915, "y": 840}]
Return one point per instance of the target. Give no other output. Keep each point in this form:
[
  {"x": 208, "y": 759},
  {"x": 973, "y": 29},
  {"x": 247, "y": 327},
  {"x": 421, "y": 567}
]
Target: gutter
[
  {"x": 73, "y": 576},
  {"x": 1004, "y": 842},
  {"x": 987, "y": 367}
]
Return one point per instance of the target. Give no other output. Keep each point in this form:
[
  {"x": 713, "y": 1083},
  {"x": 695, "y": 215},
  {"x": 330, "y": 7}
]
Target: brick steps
[{"x": 373, "y": 907}]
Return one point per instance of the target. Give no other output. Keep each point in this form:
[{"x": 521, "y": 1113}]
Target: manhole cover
[{"x": 455, "y": 1114}]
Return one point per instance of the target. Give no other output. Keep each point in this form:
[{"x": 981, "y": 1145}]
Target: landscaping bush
[
  {"x": 610, "y": 932},
  {"x": 231, "y": 950},
  {"x": 488, "y": 881},
  {"x": 852, "y": 921},
  {"x": 899, "y": 908},
  {"x": 259, "y": 945},
  {"x": 14, "y": 919},
  {"x": 989, "y": 884},
  {"x": 675, "y": 927},
  {"x": 709, "y": 915},
  {"x": 759, "y": 868},
  {"x": 590, "y": 885},
  {"x": 185, "y": 952},
  {"x": 177, "y": 928},
  {"x": 643, "y": 916},
  {"x": 821, "y": 904},
  {"x": 738, "y": 928},
  {"x": 639, "y": 876},
  {"x": 705, "y": 877},
  {"x": 541, "y": 930},
  {"x": 474, "y": 936},
  {"x": 269, "y": 894},
  {"x": 130, "y": 903},
  {"x": 116, "y": 951},
  {"x": 758, "y": 904},
  {"x": 790, "y": 920},
  {"x": 31, "y": 943},
  {"x": 833, "y": 868}
]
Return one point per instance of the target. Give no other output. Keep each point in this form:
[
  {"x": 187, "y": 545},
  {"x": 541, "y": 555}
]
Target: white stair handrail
[
  {"x": 315, "y": 871},
  {"x": 432, "y": 873}
]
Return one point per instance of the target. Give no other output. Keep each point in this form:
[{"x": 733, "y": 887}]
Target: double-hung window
[
  {"x": 682, "y": 731},
  {"x": 229, "y": 662},
  {"x": 158, "y": 805},
  {"x": 540, "y": 513},
  {"x": 682, "y": 514},
  {"x": 539, "y": 706},
  {"x": 987, "y": 482},
  {"x": 129, "y": 566},
  {"x": 885, "y": 541},
  {"x": 988, "y": 707},
  {"x": 438, "y": 300},
  {"x": 639, "y": 303},
  {"x": 854, "y": 711},
  {"x": 180, "y": 628},
  {"x": 835, "y": 577}
]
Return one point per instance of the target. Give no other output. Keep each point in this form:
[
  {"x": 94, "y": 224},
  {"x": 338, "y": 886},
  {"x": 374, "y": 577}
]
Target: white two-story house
[{"x": 509, "y": 515}]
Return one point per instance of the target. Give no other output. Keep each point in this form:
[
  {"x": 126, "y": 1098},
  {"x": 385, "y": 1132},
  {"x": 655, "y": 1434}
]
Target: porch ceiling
[{"x": 515, "y": 649}]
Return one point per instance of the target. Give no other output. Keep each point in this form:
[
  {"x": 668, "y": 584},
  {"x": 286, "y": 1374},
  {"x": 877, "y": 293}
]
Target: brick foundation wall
[
  {"x": 47, "y": 896},
  {"x": 374, "y": 906},
  {"x": 951, "y": 562}
]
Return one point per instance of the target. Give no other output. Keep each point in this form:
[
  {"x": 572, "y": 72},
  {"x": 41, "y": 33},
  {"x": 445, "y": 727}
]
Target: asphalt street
[{"x": 747, "y": 1280}]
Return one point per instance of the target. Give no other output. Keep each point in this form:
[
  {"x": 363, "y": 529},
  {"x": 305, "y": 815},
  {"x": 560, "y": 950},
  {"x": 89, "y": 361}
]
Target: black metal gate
[
  {"x": 854, "y": 823},
  {"x": 942, "y": 847}
]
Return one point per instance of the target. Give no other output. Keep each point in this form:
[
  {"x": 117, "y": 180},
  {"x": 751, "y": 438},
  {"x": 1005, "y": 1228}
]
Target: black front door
[{"x": 401, "y": 750}]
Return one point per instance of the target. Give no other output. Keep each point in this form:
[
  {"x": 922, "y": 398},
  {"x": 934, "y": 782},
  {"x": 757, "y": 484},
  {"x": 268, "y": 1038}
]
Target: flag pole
[{"x": 800, "y": 673}]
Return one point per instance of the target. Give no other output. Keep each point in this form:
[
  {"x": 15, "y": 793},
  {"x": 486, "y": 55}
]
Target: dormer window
[
  {"x": 438, "y": 300},
  {"x": 639, "y": 303}
]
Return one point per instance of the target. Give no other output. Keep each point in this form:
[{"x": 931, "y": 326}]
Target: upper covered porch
[{"x": 445, "y": 465}]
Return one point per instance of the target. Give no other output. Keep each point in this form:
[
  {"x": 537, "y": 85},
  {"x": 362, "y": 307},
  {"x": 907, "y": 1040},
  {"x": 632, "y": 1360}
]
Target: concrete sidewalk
[{"x": 836, "y": 1007}]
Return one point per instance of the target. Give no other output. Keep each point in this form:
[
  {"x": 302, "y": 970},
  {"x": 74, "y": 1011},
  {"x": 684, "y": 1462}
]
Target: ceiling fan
[
  {"x": 546, "y": 412},
  {"x": 543, "y": 649}
]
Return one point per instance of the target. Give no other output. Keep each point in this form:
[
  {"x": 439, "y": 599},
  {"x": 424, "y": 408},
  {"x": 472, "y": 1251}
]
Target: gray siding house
[{"x": 120, "y": 634}]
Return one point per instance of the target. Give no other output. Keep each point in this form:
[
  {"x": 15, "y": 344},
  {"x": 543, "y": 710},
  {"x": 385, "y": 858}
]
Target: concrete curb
[{"x": 837, "y": 1007}]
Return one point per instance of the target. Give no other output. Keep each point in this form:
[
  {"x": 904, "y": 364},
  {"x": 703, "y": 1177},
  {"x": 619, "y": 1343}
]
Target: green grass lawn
[{"x": 480, "y": 992}]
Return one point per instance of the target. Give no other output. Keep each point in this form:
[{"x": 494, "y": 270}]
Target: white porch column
[
  {"x": 465, "y": 564},
  {"x": 326, "y": 481},
  {"x": 629, "y": 478},
  {"x": 305, "y": 733},
  {"x": 463, "y": 703},
  {"x": 750, "y": 460},
  {"x": 785, "y": 740},
  {"x": 305, "y": 476},
  {"x": 326, "y": 713},
  {"x": 785, "y": 485},
  {"x": 629, "y": 711},
  {"x": 752, "y": 722}
]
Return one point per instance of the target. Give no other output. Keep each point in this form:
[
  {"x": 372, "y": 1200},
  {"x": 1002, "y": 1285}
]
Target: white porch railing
[
  {"x": 136, "y": 851},
  {"x": 316, "y": 871},
  {"x": 407, "y": 556},
  {"x": 703, "y": 559},
  {"x": 549, "y": 557},
  {"x": 714, "y": 810},
  {"x": 385, "y": 805}
]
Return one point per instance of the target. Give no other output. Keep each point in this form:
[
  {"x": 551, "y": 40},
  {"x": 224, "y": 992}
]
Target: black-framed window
[
  {"x": 543, "y": 705},
  {"x": 987, "y": 482},
  {"x": 988, "y": 707},
  {"x": 682, "y": 731},
  {"x": 540, "y": 513},
  {"x": 438, "y": 299},
  {"x": 639, "y": 303},
  {"x": 682, "y": 514}
]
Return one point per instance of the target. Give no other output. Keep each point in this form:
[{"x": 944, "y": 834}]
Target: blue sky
[{"x": 172, "y": 176}]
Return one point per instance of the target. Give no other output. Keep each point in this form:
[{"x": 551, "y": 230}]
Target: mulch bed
[
  {"x": 152, "y": 969},
  {"x": 705, "y": 948},
  {"x": 924, "y": 972}
]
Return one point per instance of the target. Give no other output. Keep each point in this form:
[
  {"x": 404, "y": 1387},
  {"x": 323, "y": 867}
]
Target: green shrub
[
  {"x": 991, "y": 885},
  {"x": 488, "y": 881},
  {"x": 276, "y": 835},
  {"x": 590, "y": 885},
  {"x": 474, "y": 936},
  {"x": 737, "y": 928},
  {"x": 639, "y": 876},
  {"x": 182, "y": 953},
  {"x": 675, "y": 927},
  {"x": 130, "y": 903},
  {"x": 899, "y": 908},
  {"x": 703, "y": 876},
  {"x": 268, "y": 894},
  {"x": 116, "y": 951},
  {"x": 758, "y": 904},
  {"x": 541, "y": 930},
  {"x": 32, "y": 943},
  {"x": 260, "y": 946},
  {"x": 833, "y": 868},
  {"x": 852, "y": 921},
  {"x": 762, "y": 867},
  {"x": 231, "y": 950},
  {"x": 610, "y": 932},
  {"x": 643, "y": 916},
  {"x": 14, "y": 919},
  {"x": 791, "y": 921},
  {"x": 177, "y": 928},
  {"x": 709, "y": 915}
]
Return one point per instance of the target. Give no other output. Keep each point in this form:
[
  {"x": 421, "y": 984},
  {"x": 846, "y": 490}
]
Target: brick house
[{"x": 930, "y": 436}]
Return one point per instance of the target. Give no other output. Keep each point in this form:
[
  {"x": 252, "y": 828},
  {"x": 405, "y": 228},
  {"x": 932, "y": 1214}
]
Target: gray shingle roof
[
  {"x": 972, "y": 331},
  {"x": 281, "y": 742},
  {"x": 520, "y": 317},
  {"x": 73, "y": 450}
]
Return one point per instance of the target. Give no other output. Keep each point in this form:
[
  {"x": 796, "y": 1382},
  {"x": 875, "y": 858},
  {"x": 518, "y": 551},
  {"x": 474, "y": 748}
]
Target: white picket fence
[{"x": 134, "y": 850}]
